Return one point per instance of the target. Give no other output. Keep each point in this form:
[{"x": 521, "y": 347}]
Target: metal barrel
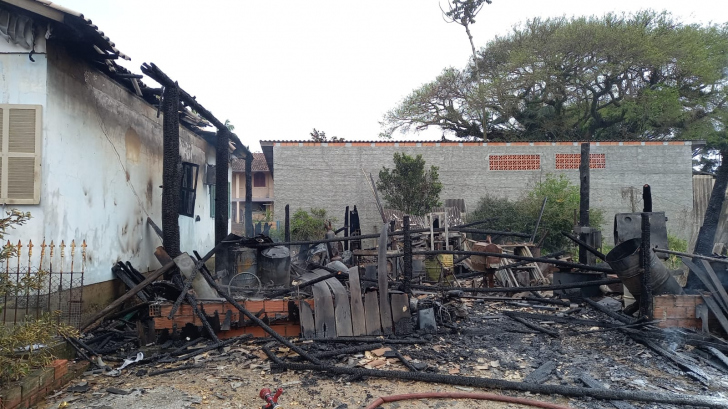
[
  {"x": 625, "y": 261},
  {"x": 274, "y": 266}
]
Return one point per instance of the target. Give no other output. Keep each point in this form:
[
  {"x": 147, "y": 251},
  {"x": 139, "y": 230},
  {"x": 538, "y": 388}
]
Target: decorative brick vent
[
  {"x": 515, "y": 162},
  {"x": 572, "y": 160}
]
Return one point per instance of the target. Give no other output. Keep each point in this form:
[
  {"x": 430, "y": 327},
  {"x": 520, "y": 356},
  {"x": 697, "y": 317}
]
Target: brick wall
[{"x": 330, "y": 175}]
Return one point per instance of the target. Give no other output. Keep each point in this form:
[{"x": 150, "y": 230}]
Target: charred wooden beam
[
  {"x": 158, "y": 75},
  {"x": 249, "y": 194},
  {"x": 222, "y": 202},
  {"x": 171, "y": 171}
]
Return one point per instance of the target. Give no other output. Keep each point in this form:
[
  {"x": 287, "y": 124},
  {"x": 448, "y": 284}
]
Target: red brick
[
  {"x": 60, "y": 367},
  {"x": 11, "y": 397},
  {"x": 47, "y": 376},
  {"x": 29, "y": 385}
]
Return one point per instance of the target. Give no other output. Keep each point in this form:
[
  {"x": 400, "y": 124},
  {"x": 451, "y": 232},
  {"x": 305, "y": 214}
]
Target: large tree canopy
[{"x": 613, "y": 77}]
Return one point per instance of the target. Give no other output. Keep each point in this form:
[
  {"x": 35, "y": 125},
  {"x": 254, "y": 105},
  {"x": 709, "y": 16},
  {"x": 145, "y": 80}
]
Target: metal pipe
[
  {"x": 585, "y": 245},
  {"x": 538, "y": 221},
  {"x": 678, "y": 253},
  {"x": 398, "y": 233},
  {"x": 519, "y": 289},
  {"x": 646, "y": 258},
  {"x": 516, "y": 257}
]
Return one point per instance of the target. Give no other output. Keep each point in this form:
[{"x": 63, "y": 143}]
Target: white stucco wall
[{"x": 101, "y": 164}]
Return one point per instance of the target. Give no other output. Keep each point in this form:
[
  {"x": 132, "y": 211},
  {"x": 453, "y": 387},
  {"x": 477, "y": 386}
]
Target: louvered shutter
[{"x": 20, "y": 159}]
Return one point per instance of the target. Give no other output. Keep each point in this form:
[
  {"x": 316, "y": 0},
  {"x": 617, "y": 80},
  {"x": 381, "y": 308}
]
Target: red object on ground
[
  {"x": 464, "y": 395},
  {"x": 270, "y": 399}
]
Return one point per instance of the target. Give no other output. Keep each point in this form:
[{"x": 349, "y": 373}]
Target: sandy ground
[{"x": 215, "y": 387}]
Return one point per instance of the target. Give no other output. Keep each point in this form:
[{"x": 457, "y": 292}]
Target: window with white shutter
[{"x": 20, "y": 142}]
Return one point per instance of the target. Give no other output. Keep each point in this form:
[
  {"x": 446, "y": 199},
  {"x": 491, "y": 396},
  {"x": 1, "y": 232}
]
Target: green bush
[
  {"x": 309, "y": 225},
  {"x": 521, "y": 215},
  {"x": 675, "y": 243}
]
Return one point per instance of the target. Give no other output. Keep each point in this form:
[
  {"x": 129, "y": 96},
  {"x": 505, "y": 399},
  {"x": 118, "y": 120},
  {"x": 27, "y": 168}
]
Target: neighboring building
[
  {"x": 82, "y": 144},
  {"x": 262, "y": 201},
  {"x": 331, "y": 175}
]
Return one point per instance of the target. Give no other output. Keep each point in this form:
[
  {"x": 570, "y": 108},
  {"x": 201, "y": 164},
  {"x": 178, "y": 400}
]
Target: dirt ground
[{"x": 483, "y": 344}]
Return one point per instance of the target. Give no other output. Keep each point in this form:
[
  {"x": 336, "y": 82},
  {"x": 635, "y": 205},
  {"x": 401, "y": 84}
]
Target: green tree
[
  {"x": 320, "y": 136},
  {"x": 410, "y": 187},
  {"x": 644, "y": 75}
]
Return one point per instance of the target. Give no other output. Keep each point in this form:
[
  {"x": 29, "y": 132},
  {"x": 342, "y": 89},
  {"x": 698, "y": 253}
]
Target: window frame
[
  {"x": 186, "y": 192},
  {"x": 255, "y": 181},
  {"x": 5, "y": 154}
]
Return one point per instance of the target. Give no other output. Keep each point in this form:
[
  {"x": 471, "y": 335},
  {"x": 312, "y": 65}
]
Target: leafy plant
[
  {"x": 410, "y": 187},
  {"x": 521, "y": 215},
  {"x": 675, "y": 243},
  {"x": 309, "y": 225}
]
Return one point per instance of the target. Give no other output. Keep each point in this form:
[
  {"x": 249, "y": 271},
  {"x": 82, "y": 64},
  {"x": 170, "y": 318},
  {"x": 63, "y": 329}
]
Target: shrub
[
  {"x": 19, "y": 343},
  {"x": 309, "y": 225},
  {"x": 521, "y": 215}
]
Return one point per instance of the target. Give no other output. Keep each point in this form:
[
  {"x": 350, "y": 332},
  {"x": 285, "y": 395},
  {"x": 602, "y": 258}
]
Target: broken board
[
  {"x": 384, "y": 307},
  {"x": 324, "y": 318},
  {"x": 715, "y": 309},
  {"x": 721, "y": 294},
  {"x": 371, "y": 311},
  {"x": 308, "y": 328},
  {"x": 342, "y": 308},
  {"x": 401, "y": 316},
  {"x": 358, "y": 321}
]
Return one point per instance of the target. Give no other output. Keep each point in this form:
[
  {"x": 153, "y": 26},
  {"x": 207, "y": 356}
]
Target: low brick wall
[
  {"x": 677, "y": 311},
  {"x": 38, "y": 384}
]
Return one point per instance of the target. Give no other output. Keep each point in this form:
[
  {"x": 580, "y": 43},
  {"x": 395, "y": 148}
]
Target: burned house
[{"x": 83, "y": 150}]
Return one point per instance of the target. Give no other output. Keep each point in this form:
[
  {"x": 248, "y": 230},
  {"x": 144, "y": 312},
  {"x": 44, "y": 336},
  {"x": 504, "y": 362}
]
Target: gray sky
[{"x": 278, "y": 69}]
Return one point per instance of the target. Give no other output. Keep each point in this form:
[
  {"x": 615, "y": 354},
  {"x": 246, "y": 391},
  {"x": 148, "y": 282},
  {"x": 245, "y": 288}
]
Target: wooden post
[
  {"x": 288, "y": 224},
  {"x": 647, "y": 198},
  {"x": 249, "y": 194},
  {"x": 584, "y": 200},
  {"x": 646, "y": 258},
  {"x": 407, "y": 255},
  {"x": 346, "y": 228},
  {"x": 222, "y": 158},
  {"x": 171, "y": 171}
]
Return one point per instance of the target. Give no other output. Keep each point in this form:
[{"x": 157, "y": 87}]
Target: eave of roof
[{"x": 406, "y": 143}]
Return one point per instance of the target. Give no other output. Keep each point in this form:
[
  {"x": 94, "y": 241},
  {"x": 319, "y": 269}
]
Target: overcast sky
[{"x": 278, "y": 69}]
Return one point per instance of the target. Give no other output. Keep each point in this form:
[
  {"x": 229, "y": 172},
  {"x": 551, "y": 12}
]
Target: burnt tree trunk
[
  {"x": 706, "y": 235},
  {"x": 249, "y": 195},
  {"x": 171, "y": 171},
  {"x": 222, "y": 158}
]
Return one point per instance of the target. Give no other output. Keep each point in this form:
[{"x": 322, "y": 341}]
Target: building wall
[
  {"x": 258, "y": 192},
  {"x": 330, "y": 176},
  {"x": 101, "y": 164}
]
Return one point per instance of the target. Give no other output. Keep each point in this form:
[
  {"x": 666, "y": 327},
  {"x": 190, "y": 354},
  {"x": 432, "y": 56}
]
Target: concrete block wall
[{"x": 332, "y": 175}]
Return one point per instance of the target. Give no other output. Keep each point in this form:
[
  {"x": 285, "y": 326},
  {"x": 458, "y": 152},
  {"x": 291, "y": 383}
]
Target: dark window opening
[
  {"x": 259, "y": 179},
  {"x": 188, "y": 189}
]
